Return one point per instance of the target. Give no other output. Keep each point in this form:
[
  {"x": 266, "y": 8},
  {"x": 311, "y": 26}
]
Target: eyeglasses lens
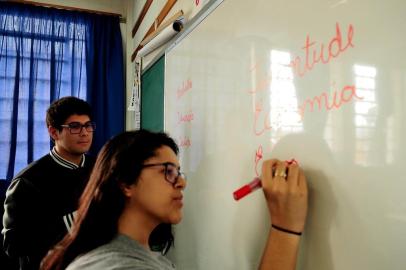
[
  {"x": 171, "y": 173},
  {"x": 76, "y": 128}
]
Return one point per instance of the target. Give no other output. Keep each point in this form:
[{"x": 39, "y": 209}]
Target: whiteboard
[{"x": 320, "y": 81}]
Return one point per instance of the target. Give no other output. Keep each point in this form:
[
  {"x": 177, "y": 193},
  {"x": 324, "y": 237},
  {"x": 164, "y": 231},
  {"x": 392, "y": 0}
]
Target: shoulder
[
  {"x": 107, "y": 259},
  {"x": 119, "y": 254},
  {"x": 38, "y": 167},
  {"x": 35, "y": 170}
]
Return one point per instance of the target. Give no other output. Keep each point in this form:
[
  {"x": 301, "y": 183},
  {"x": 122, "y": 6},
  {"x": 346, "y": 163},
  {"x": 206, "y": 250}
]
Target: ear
[
  {"x": 53, "y": 132},
  {"x": 127, "y": 190}
]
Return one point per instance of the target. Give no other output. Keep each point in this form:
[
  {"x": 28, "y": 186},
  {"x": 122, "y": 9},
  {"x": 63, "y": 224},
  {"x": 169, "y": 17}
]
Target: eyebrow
[
  {"x": 173, "y": 164},
  {"x": 77, "y": 122}
]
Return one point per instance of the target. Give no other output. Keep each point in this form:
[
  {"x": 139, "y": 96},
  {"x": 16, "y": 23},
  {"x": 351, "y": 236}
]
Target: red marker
[
  {"x": 253, "y": 185},
  {"x": 247, "y": 189}
]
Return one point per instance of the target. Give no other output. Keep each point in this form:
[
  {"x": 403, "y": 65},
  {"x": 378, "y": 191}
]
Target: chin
[
  {"x": 83, "y": 150},
  {"x": 175, "y": 219}
]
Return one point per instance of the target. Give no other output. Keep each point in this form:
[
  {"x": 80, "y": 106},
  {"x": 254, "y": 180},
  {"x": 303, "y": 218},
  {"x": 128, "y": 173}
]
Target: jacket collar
[{"x": 66, "y": 163}]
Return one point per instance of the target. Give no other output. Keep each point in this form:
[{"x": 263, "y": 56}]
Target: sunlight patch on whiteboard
[
  {"x": 365, "y": 111},
  {"x": 284, "y": 115}
]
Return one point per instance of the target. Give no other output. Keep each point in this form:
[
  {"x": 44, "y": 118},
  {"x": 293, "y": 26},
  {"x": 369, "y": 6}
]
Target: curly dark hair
[{"x": 63, "y": 108}]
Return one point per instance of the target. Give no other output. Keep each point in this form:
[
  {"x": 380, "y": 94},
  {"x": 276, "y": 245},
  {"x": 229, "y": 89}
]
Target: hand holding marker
[{"x": 254, "y": 184}]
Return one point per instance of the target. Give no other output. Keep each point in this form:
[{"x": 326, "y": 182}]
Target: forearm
[
  {"x": 25, "y": 247},
  {"x": 280, "y": 252},
  {"x": 23, "y": 222}
]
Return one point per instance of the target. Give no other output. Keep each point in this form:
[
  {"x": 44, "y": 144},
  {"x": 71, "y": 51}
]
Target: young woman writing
[{"x": 134, "y": 196}]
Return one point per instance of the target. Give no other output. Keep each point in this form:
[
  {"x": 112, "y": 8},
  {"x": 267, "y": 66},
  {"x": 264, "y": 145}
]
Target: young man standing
[{"x": 42, "y": 199}]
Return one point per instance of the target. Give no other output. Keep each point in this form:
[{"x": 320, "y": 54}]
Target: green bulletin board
[{"x": 152, "y": 97}]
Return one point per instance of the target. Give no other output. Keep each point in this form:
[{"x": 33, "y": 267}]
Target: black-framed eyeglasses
[
  {"x": 76, "y": 127},
  {"x": 172, "y": 172}
]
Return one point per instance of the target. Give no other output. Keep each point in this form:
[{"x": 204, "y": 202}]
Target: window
[
  {"x": 42, "y": 58},
  {"x": 365, "y": 111},
  {"x": 284, "y": 115}
]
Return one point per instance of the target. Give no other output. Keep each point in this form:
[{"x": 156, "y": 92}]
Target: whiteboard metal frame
[{"x": 189, "y": 26}]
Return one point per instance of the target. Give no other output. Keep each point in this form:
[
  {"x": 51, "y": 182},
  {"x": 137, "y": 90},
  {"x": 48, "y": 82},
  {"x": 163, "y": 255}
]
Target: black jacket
[{"x": 38, "y": 208}]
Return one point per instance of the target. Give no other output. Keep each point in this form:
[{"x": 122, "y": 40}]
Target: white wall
[{"x": 112, "y": 6}]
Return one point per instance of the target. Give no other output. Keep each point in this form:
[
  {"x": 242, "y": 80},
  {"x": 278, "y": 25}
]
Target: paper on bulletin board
[{"x": 135, "y": 98}]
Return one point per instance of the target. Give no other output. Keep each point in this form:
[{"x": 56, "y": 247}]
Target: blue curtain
[
  {"x": 105, "y": 73},
  {"x": 46, "y": 54}
]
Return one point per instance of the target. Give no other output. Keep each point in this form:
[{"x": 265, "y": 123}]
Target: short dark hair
[
  {"x": 102, "y": 202},
  {"x": 63, "y": 108}
]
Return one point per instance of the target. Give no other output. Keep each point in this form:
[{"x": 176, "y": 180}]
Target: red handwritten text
[
  {"x": 347, "y": 94},
  {"x": 313, "y": 56},
  {"x": 258, "y": 113},
  {"x": 183, "y": 118},
  {"x": 186, "y": 86},
  {"x": 263, "y": 83},
  {"x": 184, "y": 142},
  {"x": 258, "y": 157}
]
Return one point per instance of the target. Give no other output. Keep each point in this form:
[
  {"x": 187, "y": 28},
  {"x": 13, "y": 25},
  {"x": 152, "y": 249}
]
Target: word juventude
[
  {"x": 261, "y": 84},
  {"x": 313, "y": 56},
  {"x": 186, "y": 86},
  {"x": 346, "y": 95}
]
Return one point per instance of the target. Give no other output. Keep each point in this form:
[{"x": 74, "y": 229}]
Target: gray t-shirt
[{"x": 122, "y": 253}]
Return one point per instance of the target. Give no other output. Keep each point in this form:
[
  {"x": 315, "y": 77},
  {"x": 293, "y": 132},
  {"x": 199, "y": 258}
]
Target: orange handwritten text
[
  {"x": 314, "y": 56},
  {"x": 184, "y": 118},
  {"x": 186, "y": 86},
  {"x": 259, "y": 115},
  {"x": 347, "y": 94}
]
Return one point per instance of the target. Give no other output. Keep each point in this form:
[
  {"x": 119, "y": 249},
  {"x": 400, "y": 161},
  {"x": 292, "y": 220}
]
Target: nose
[
  {"x": 181, "y": 183},
  {"x": 83, "y": 131}
]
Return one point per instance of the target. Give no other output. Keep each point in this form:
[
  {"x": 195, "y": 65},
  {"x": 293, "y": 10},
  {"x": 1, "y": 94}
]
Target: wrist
[{"x": 287, "y": 231}]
